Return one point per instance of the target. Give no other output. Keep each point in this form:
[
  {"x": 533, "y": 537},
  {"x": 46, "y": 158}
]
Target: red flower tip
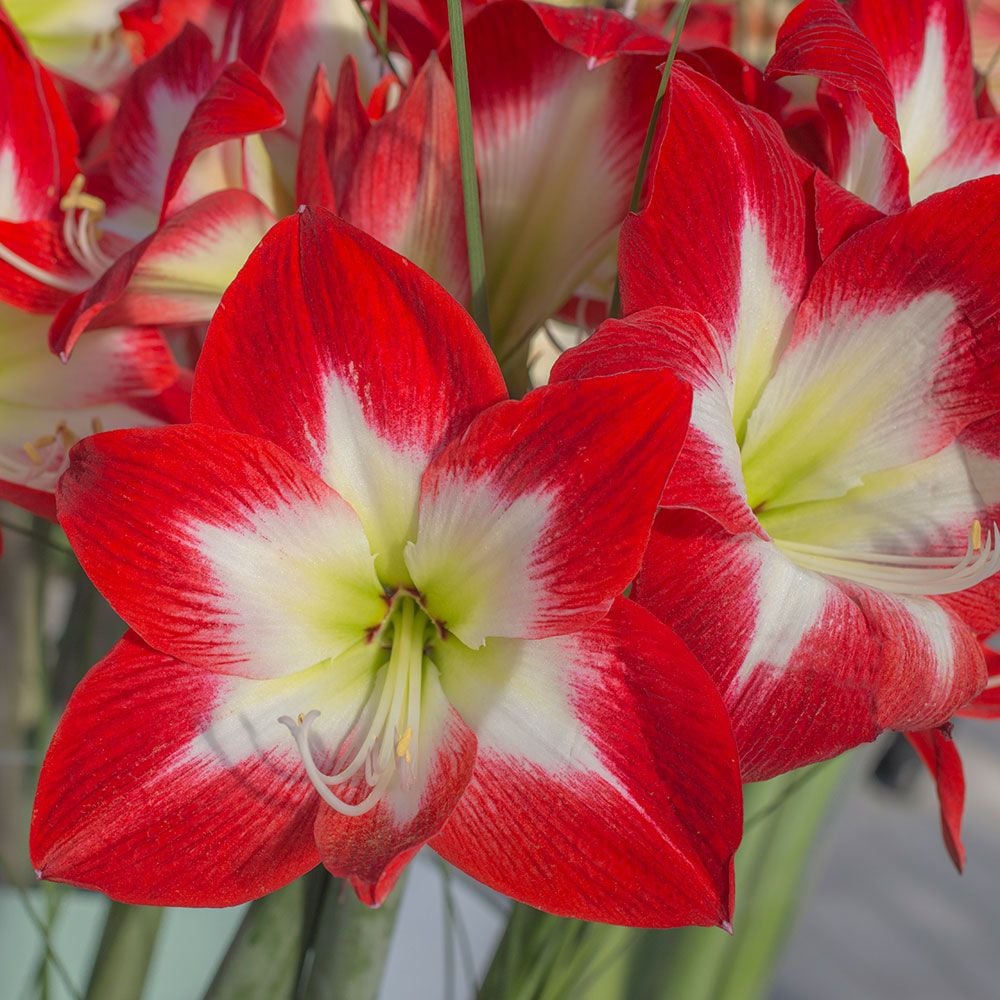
[
  {"x": 374, "y": 893},
  {"x": 727, "y": 926}
]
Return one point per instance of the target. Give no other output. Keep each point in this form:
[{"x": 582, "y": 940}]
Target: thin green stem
[
  {"x": 479, "y": 300},
  {"x": 39, "y": 924},
  {"x": 614, "y": 309},
  {"x": 801, "y": 779},
  {"x": 381, "y": 42},
  {"x": 35, "y": 536}
]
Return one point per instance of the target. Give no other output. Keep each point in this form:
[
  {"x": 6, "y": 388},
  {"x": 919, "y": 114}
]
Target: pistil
[{"x": 923, "y": 576}]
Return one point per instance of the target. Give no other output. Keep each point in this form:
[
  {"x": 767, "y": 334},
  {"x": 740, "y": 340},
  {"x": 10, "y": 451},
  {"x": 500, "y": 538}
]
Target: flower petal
[
  {"x": 924, "y": 45},
  {"x": 938, "y": 751},
  {"x": 37, "y": 141},
  {"x": 384, "y": 368},
  {"x": 820, "y": 39},
  {"x": 136, "y": 800},
  {"x": 533, "y": 521},
  {"x": 219, "y": 548},
  {"x": 156, "y": 106},
  {"x": 236, "y": 106},
  {"x": 606, "y": 785},
  {"x": 973, "y": 153},
  {"x": 733, "y": 246},
  {"x": 406, "y": 186},
  {"x": 930, "y": 665}
]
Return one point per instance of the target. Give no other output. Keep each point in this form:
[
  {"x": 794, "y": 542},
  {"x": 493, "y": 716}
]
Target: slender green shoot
[
  {"x": 381, "y": 42},
  {"x": 479, "y": 302},
  {"x": 34, "y": 535},
  {"x": 43, "y": 931},
  {"x": 614, "y": 309}
]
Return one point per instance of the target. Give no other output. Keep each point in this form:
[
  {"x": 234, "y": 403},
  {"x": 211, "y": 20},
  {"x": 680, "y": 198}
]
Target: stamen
[
  {"x": 391, "y": 717},
  {"x": 923, "y": 576}
]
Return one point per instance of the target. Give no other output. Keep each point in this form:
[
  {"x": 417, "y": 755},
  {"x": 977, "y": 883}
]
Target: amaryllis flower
[
  {"x": 897, "y": 95},
  {"x": 374, "y": 605},
  {"x": 831, "y": 516}
]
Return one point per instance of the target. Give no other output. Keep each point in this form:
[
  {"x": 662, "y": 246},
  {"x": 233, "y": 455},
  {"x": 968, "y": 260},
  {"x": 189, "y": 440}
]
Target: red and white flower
[
  {"x": 896, "y": 94},
  {"x": 832, "y": 512},
  {"x": 374, "y": 606}
]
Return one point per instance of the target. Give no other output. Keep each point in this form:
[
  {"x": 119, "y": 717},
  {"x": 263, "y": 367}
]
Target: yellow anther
[
  {"x": 76, "y": 197},
  {"x": 97, "y": 425},
  {"x": 32, "y": 452},
  {"x": 403, "y": 746},
  {"x": 976, "y": 536},
  {"x": 66, "y": 436}
]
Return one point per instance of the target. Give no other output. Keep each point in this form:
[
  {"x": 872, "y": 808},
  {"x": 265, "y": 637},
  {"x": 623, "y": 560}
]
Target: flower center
[{"x": 386, "y": 740}]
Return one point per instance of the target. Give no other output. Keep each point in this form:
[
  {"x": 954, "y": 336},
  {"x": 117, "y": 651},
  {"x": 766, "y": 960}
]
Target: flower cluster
[{"x": 381, "y": 592}]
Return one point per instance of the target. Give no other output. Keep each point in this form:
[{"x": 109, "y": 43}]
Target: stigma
[
  {"x": 923, "y": 576},
  {"x": 385, "y": 745}
]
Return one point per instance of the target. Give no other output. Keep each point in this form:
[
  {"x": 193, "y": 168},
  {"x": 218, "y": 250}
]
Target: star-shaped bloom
[
  {"x": 375, "y": 604},
  {"x": 829, "y": 546}
]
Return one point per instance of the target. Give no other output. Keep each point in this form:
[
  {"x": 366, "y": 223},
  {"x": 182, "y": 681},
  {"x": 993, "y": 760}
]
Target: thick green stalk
[
  {"x": 479, "y": 303},
  {"x": 350, "y": 946},
  {"x": 125, "y": 951},
  {"x": 263, "y": 960},
  {"x": 614, "y": 308}
]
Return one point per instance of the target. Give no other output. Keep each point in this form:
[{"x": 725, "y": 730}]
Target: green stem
[
  {"x": 614, "y": 308},
  {"x": 52, "y": 958},
  {"x": 479, "y": 301},
  {"x": 263, "y": 959},
  {"x": 381, "y": 42},
  {"x": 351, "y": 946},
  {"x": 125, "y": 952}
]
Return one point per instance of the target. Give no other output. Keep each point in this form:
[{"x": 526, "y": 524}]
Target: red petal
[
  {"x": 125, "y": 807},
  {"x": 819, "y": 38},
  {"x": 38, "y": 145},
  {"x": 41, "y": 245},
  {"x": 633, "y": 815},
  {"x": 406, "y": 185},
  {"x": 723, "y": 231},
  {"x": 237, "y": 105},
  {"x": 560, "y": 107},
  {"x": 986, "y": 705},
  {"x": 157, "y": 103},
  {"x": 557, "y": 490},
  {"x": 938, "y": 751},
  {"x": 220, "y": 548}
]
